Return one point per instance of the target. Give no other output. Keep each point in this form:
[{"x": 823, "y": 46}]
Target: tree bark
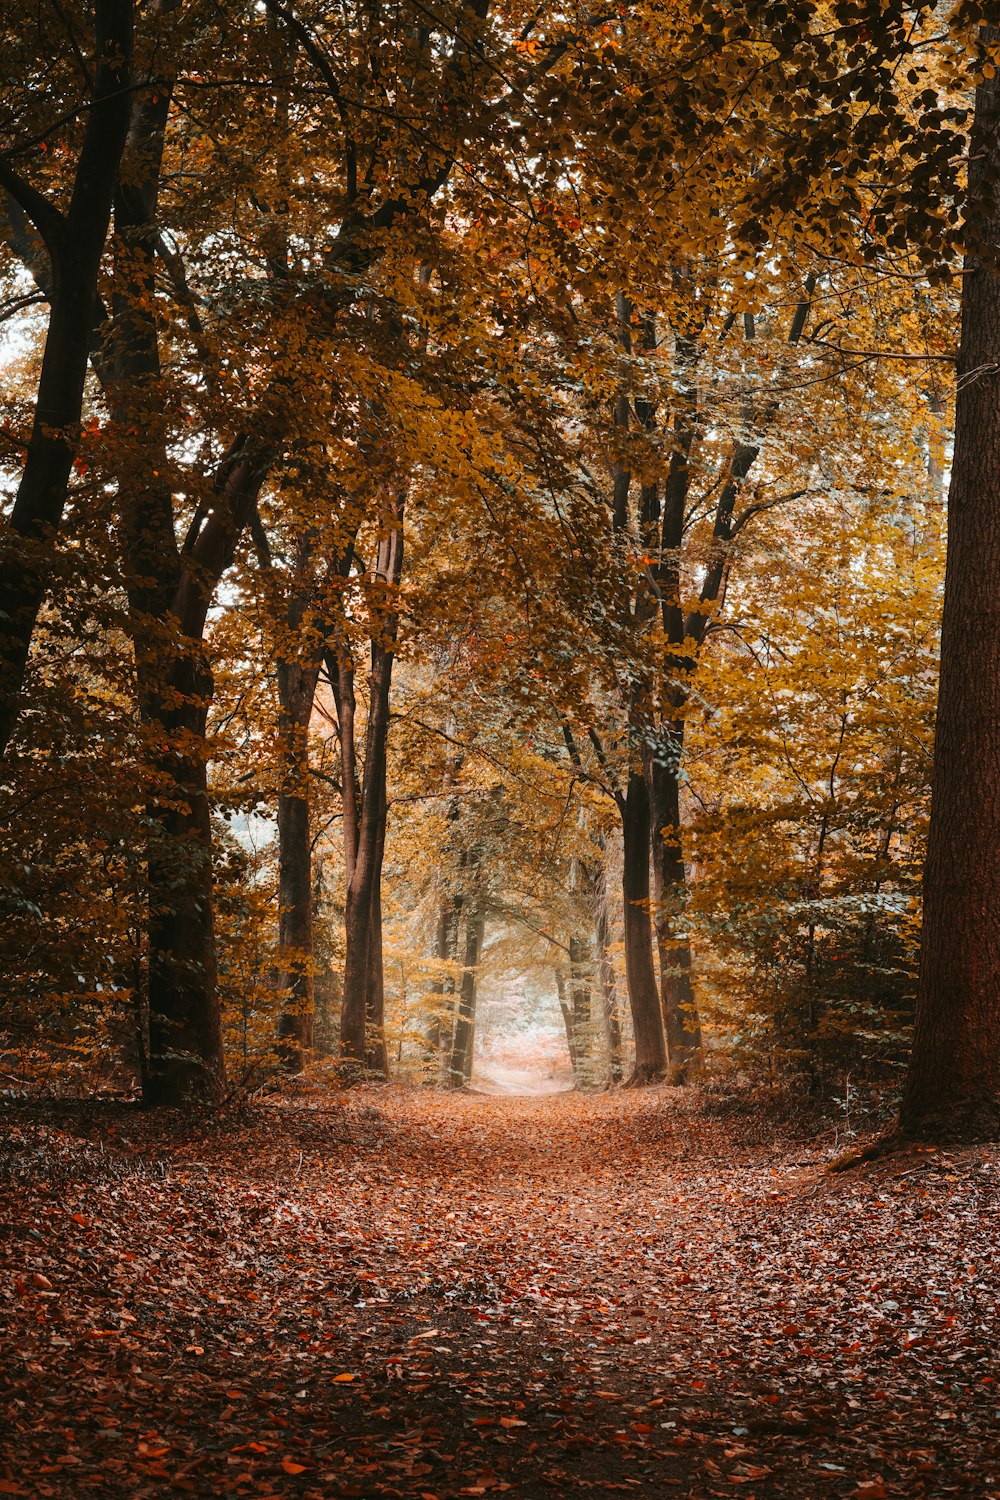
[
  {"x": 169, "y": 590},
  {"x": 363, "y": 904},
  {"x": 297, "y": 676},
  {"x": 606, "y": 975},
  {"x": 569, "y": 1021},
  {"x": 580, "y": 970},
  {"x": 953, "y": 1086},
  {"x": 376, "y": 1056},
  {"x": 647, "y": 1024},
  {"x": 439, "y": 1036},
  {"x": 185, "y": 1026},
  {"x": 75, "y": 243},
  {"x": 465, "y": 1021},
  {"x": 296, "y": 692},
  {"x": 680, "y": 1012}
]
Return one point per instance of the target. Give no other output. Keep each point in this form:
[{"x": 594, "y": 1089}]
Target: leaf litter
[{"x": 406, "y": 1293}]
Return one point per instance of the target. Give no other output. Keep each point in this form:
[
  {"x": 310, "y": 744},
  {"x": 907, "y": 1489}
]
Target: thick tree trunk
[
  {"x": 185, "y": 1027},
  {"x": 463, "y": 1045},
  {"x": 644, "y": 1000},
  {"x": 75, "y": 242},
  {"x": 569, "y": 1022},
  {"x": 357, "y": 945},
  {"x": 953, "y": 1086},
  {"x": 580, "y": 971},
  {"x": 680, "y": 1012},
  {"x": 362, "y": 1026},
  {"x": 326, "y": 981},
  {"x": 439, "y": 1035},
  {"x": 296, "y": 691},
  {"x": 175, "y": 691},
  {"x": 606, "y": 976},
  {"x": 363, "y": 956},
  {"x": 377, "y": 1056},
  {"x": 169, "y": 591}
]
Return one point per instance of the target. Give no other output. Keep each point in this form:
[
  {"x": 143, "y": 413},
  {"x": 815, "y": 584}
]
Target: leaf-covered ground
[{"x": 405, "y": 1293}]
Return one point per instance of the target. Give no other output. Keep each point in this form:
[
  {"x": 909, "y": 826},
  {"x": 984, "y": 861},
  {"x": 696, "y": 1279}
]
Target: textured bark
[
  {"x": 647, "y": 1024},
  {"x": 376, "y": 1056},
  {"x": 580, "y": 972},
  {"x": 185, "y": 1028},
  {"x": 680, "y": 1012},
  {"x": 439, "y": 1036},
  {"x": 362, "y": 918},
  {"x": 75, "y": 243},
  {"x": 953, "y": 1085},
  {"x": 296, "y": 691},
  {"x": 606, "y": 976},
  {"x": 170, "y": 590},
  {"x": 326, "y": 980},
  {"x": 463, "y": 1045},
  {"x": 357, "y": 946},
  {"x": 175, "y": 690},
  {"x": 569, "y": 1021}
]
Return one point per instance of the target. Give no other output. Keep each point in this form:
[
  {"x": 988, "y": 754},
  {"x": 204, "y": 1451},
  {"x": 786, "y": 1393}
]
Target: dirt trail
[
  {"x": 395, "y": 1293},
  {"x": 492, "y": 1078}
]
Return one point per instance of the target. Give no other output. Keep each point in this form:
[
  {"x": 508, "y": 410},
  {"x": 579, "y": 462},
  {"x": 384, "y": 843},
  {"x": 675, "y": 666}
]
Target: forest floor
[
  {"x": 494, "y": 1078},
  {"x": 403, "y": 1293}
]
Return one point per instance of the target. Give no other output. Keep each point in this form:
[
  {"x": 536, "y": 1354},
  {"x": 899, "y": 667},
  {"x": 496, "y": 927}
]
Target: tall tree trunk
[
  {"x": 377, "y": 1056},
  {"x": 175, "y": 691},
  {"x": 680, "y": 1012},
  {"x": 297, "y": 674},
  {"x": 463, "y": 1045},
  {"x": 357, "y": 971},
  {"x": 580, "y": 971},
  {"x": 363, "y": 954},
  {"x": 169, "y": 591},
  {"x": 439, "y": 1035},
  {"x": 644, "y": 1000},
  {"x": 441, "y": 1029},
  {"x": 326, "y": 982},
  {"x": 569, "y": 1022},
  {"x": 75, "y": 243},
  {"x": 953, "y": 1085},
  {"x": 185, "y": 1027},
  {"x": 296, "y": 691},
  {"x": 606, "y": 975}
]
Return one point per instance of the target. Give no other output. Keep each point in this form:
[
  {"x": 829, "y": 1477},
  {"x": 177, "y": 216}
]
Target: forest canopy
[{"x": 474, "y": 483}]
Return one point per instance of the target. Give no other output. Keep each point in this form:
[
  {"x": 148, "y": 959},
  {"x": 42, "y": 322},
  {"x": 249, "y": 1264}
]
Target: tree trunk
[
  {"x": 377, "y": 1056},
  {"x": 169, "y": 591},
  {"x": 439, "y": 1036},
  {"x": 175, "y": 691},
  {"x": 185, "y": 1027},
  {"x": 568, "y": 1021},
  {"x": 647, "y": 1024},
  {"x": 465, "y": 1021},
  {"x": 326, "y": 981},
  {"x": 75, "y": 243},
  {"x": 680, "y": 1012},
  {"x": 953, "y": 1086},
  {"x": 296, "y": 691},
  {"x": 580, "y": 970},
  {"x": 357, "y": 943},
  {"x": 363, "y": 957},
  {"x": 606, "y": 976}
]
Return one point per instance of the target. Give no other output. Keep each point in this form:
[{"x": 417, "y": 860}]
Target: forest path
[
  {"x": 406, "y": 1293},
  {"x": 494, "y": 1078}
]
